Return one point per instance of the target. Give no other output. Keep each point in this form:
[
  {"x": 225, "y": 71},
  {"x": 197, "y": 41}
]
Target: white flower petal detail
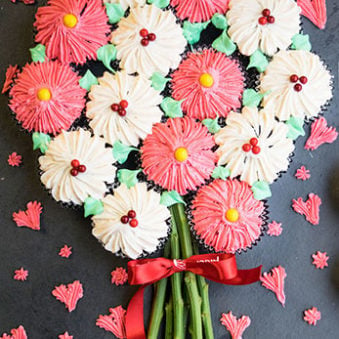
[
  {"x": 150, "y": 214},
  {"x": 282, "y": 99},
  {"x": 127, "y": 3},
  {"x": 160, "y": 55},
  {"x": 275, "y": 147},
  {"x": 89, "y": 151},
  {"x": 249, "y": 35},
  {"x": 142, "y": 111}
]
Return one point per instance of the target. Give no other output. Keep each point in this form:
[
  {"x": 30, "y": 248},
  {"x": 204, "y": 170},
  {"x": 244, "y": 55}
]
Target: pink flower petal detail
[
  {"x": 65, "y": 336},
  {"x": 206, "y": 102},
  {"x": 309, "y": 208},
  {"x": 21, "y": 274},
  {"x": 14, "y": 159},
  {"x": 16, "y": 333},
  {"x": 302, "y": 173},
  {"x": 312, "y": 315},
  {"x": 275, "y": 281},
  {"x": 72, "y": 44},
  {"x": 320, "y": 134},
  {"x": 119, "y": 276},
  {"x": 274, "y": 229},
  {"x": 29, "y": 218},
  {"x": 235, "y": 326},
  {"x": 114, "y": 322},
  {"x": 10, "y": 74},
  {"x": 320, "y": 260},
  {"x": 65, "y": 251},
  {"x": 69, "y": 295},
  {"x": 315, "y": 11}
]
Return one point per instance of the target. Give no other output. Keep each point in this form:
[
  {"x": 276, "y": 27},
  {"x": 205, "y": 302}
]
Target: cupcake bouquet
[{"x": 158, "y": 140}]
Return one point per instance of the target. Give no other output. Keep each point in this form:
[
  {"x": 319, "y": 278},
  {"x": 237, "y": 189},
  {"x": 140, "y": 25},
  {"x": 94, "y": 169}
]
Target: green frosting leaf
[
  {"x": 259, "y": 61},
  {"x": 221, "y": 172},
  {"x": 219, "y": 21},
  {"x": 159, "y": 81},
  {"x": 251, "y": 98},
  {"x": 295, "y": 128},
  {"x": 224, "y": 44},
  {"x": 106, "y": 54},
  {"x": 212, "y": 125},
  {"x": 38, "y": 53},
  {"x": 128, "y": 177},
  {"x": 261, "y": 190},
  {"x": 93, "y": 207},
  {"x": 171, "y": 107},
  {"x": 301, "y": 42},
  {"x": 171, "y": 198},
  {"x": 121, "y": 151},
  {"x": 88, "y": 80},
  {"x": 159, "y": 3},
  {"x": 114, "y": 12},
  {"x": 192, "y": 31},
  {"x": 41, "y": 141}
]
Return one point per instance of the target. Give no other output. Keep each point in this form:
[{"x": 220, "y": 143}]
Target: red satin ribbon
[{"x": 221, "y": 268}]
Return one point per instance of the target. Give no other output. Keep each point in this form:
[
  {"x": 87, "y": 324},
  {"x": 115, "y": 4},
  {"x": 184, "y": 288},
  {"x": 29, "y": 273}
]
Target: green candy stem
[{"x": 169, "y": 320}]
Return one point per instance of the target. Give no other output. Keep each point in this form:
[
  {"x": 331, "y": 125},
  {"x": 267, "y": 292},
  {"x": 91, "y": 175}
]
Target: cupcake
[
  {"x": 226, "y": 216},
  {"x": 133, "y": 221},
  {"x": 254, "y": 146},
  {"x": 76, "y": 166}
]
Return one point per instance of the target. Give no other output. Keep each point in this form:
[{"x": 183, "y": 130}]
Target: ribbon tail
[
  {"x": 135, "y": 316},
  {"x": 246, "y": 277}
]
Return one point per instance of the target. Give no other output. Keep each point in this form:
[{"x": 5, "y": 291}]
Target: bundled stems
[{"x": 169, "y": 320}]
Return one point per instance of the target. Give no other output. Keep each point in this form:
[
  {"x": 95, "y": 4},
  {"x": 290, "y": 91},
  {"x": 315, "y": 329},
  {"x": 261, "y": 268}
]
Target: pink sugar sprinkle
[
  {"x": 310, "y": 208},
  {"x": 312, "y": 315},
  {"x": 14, "y": 159},
  {"x": 119, "y": 276},
  {"x": 320, "y": 260},
  {"x": 315, "y": 11},
  {"x": 10, "y": 74},
  {"x": 235, "y": 326},
  {"x": 65, "y": 252},
  {"x": 275, "y": 281},
  {"x": 320, "y": 134},
  {"x": 65, "y": 336},
  {"x": 21, "y": 274},
  {"x": 16, "y": 333},
  {"x": 69, "y": 295},
  {"x": 114, "y": 322},
  {"x": 29, "y": 218},
  {"x": 302, "y": 173},
  {"x": 274, "y": 229}
]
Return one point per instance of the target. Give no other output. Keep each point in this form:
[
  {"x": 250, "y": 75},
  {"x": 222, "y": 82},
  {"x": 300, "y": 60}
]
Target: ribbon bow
[{"x": 221, "y": 268}]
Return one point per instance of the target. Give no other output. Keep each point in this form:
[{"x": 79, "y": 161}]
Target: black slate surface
[{"x": 31, "y": 303}]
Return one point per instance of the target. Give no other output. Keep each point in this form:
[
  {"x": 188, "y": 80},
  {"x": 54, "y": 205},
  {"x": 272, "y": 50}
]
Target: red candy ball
[
  {"x": 144, "y": 42},
  {"x": 122, "y": 112},
  {"x": 246, "y": 147},
  {"x": 74, "y": 172},
  {"x": 262, "y": 20},
  {"x": 151, "y": 37},
  {"x": 266, "y": 12},
  {"x": 256, "y": 150},
  {"x": 115, "y": 107},
  {"x": 298, "y": 87},
  {"x": 75, "y": 163},
  {"x": 271, "y": 19},
  {"x": 124, "y": 219},
  {"x": 303, "y": 80},
  {"x": 82, "y": 168},
  {"x": 131, "y": 214},
  {"x": 133, "y": 223},
  {"x": 124, "y": 103},
  {"x": 294, "y": 78},
  {"x": 143, "y": 32},
  {"x": 254, "y": 141}
]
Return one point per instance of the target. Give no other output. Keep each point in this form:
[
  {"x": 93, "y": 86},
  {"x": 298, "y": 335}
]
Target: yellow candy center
[
  {"x": 232, "y": 215},
  {"x": 44, "y": 94},
  {"x": 181, "y": 154},
  {"x": 206, "y": 80},
  {"x": 70, "y": 20}
]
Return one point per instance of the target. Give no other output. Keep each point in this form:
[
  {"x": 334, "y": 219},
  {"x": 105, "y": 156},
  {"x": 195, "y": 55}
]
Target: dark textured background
[{"x": 31, "y": 304}]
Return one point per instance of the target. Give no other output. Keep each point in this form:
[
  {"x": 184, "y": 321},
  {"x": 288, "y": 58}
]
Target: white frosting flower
[
  {"x": 299, "y": 97},
  {"x": 127, "y": 3},
  {"x": 137, "y": 119},
  {"x": 63, "y": 174},
  {"x": 250, "y": 27},
  {"x": 254, "y": 145},
  {"x": 119, "y": 235},
  {"x": 158, "y": 53}
]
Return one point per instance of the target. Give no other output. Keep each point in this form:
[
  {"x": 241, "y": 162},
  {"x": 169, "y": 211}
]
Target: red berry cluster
[
  {"x": 299, "y": 82},
  {"x": 146, "y": 37},
  {"x": 120, "y": 107},
  {"x": 130, "y": 218},
  {"x": 77, "y": 168},
  {"x": 266, "y": 17},
  {"x": 252, "y": 146}
]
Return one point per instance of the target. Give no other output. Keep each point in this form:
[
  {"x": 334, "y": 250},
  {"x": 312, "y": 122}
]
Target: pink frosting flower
[
  {"x": 178, "y": 154},
  {"x": 274, "y": 229},
  {"x": 47, "y": 97},
  {"x": 199, "y": 10},
  {"x": 14, "y": 159},
  {"x": 72, "y": 30},
  {"x": 210, "y": 84},
  {"x": 65, "y": 252},
  {"x": 226, "y": 215},
  {"x": 119, "y": 276},
  {"x": 20, "y": 274},
  {"x": 302, "y": 173},
  {"x": 320, "y": 260},
  {"x": 312, "y": 315}
]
